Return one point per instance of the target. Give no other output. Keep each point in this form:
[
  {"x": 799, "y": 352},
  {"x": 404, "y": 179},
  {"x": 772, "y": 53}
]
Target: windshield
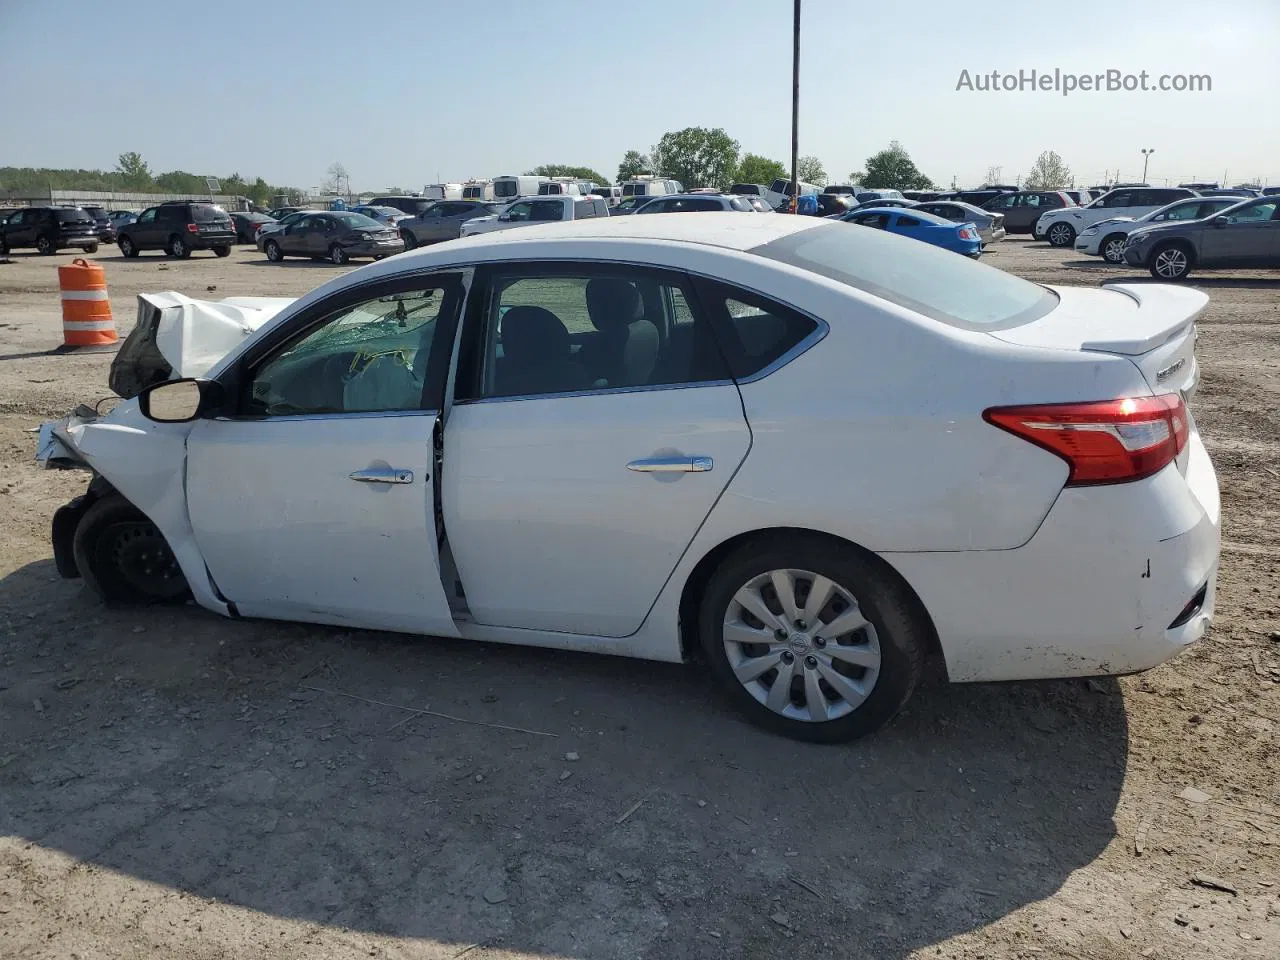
[
  {"x": 357, "y": 221},
  {"x": 207, "y": 213},
  {"x": 918, "y": 276},
  {"x": 505, "y": 188}
]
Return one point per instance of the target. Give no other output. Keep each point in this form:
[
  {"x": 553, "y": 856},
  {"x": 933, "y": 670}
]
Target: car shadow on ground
[
  {"x": 272, "y": 766},
  {"x": 302, "y": 262}
]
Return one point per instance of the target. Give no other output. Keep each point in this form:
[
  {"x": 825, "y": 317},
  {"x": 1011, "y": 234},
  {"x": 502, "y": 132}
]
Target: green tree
[
  {"x": 1048, "y": 173},
  {"x": 697, "y": 157},
  {"x": 809, "y": 169},
  {"x": 133, "y": 169},
  {"x": 633, "y": 164},
  {"x": 757, "y": 169},
  {"x": 564, "y": 170},
  {"x": 892, "y": 169}
]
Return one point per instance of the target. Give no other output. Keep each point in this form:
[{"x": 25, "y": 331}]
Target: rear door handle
[
  {"x": 383, "y": 475},
  {"x": 672, "y": 465}
]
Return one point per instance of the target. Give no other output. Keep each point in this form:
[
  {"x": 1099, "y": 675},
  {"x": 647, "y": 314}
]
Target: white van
[
  {"x": 560, "y": 187},
  {"x": 611, "y": 194},
  {"x": 509, "y": 188},
  {"x": 646, "y": 186},
  {"x": 442, "y": 191},
  {"x": 477, "y": 190},
  {"x": 780, "y": 190}
]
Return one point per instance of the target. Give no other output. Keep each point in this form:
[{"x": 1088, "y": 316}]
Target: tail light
[
  {"x": 1115, "y": 441},
  {"x": 192, "y": 228},
  {"x": 968, "y": 233}
]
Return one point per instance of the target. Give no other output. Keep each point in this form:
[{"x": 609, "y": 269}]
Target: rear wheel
[
  {"x": 811, "y": 638},
  {"x": 127, "y": 247},
  {"x": 178, "y": 247},
  {"x": 1113, "y": 248},
  {"x": 1170, "y": 262},
  {"x": 410, "y": 241},
  {"x": 1061, "y": 235},
  {"x": 337, "y": 255},
  {"x": 273, "y": 251},
  {"x": 222, "y": 251},
  {"x": 92, "y": 248},
  {"x": 46, "y": 245},
  {"x": 123, "y": 556}
]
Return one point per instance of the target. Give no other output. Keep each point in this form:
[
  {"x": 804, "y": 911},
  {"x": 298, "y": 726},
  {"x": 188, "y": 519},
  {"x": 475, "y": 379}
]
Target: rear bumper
[
  {"x": 207, "y": 241},
  {"x": 1097, "y": 589},
  {"x": 372, "y": 248}
]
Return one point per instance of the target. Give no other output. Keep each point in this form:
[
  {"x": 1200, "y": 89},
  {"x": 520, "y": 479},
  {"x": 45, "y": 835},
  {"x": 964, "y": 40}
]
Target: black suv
[
  {"x": 48, "y": 229},
  {"x": 106, "y": 229},
  {"x": 178, "y": 227}
]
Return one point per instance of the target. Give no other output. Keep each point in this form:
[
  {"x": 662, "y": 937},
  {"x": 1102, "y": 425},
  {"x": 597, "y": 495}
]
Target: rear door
[{"x": 567, "y": 503}]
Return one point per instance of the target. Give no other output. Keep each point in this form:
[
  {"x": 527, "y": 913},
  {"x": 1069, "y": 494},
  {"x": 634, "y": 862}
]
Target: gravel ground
[{"x": 173, "y": 784}]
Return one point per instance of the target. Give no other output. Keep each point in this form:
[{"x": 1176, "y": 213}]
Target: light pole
[
  {"x": 795, "y": 111},
  {"x": 1146, "y": 158}
]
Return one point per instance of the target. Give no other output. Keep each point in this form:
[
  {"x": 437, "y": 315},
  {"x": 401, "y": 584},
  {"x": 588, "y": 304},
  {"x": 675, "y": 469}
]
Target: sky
[{"x": 409, "y": 92}]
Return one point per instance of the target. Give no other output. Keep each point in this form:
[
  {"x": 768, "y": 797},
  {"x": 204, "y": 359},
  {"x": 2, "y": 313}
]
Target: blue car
[{"x": 956, "y": 237}]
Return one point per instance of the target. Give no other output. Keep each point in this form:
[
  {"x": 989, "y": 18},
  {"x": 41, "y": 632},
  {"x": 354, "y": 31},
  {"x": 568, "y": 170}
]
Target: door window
[
  {"x": 1003, "y": 202},
  {"x": 371, "y": 356},
  {"x": 908, "y": 221},
  {"x": 547, "y": 211},
  {"x": 1253, "y": 213},
  {"x": 147, "y": 216},
  {"x": 877, "y": 220},
  {"x": 519, "y": 212},
  {"x": 599, "y": 329}
]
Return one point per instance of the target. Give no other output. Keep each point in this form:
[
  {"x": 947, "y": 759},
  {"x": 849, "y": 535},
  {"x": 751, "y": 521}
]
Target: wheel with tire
[
  {"x": 1061, "y": 235},
  {"x": 338, "y": 255},
  {"x": 45, "y": 244},
  {"x": 273, "y": 251},
  {"x": 1170, "y": 262},
  {"x": 410, "y": 241},
  {"x": 92, "y": 248},
  {"x": 811, "y": 638},
  {"x": 1112, "y": 248},
  {"x": 4, "y": 248},
  {"x": 178, "y": 247},
  {"x": 124, "y": 558},
  {"x": 222, "y": 251},
  {"x": 127, "y": 247}
]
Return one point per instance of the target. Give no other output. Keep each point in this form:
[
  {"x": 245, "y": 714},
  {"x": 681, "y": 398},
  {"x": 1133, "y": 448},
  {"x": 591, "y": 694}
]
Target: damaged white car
[{"x": 809, "y": 454}]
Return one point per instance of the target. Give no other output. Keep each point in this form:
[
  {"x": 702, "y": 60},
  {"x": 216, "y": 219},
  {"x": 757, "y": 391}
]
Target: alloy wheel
[
  {"x": 800, "y": 645},
  {"x": 1113, "y": 250},
  {"x": 1171, "y": 263},
  {"x": 1060, "y": 234},
  {"x": 44, "y": 245}
]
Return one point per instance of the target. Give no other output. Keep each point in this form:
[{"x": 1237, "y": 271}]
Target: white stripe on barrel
[
  {"x": 84, "y": 295},
  {"x": 73, "y": 326}
]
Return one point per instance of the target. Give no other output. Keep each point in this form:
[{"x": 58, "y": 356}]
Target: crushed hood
[{"x": 179, "y": 336}]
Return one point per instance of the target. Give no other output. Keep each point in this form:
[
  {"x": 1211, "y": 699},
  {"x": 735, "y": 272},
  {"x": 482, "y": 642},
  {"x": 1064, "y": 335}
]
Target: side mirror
[
  {"x": 1221, "y": 221},
  {"x": 178, "y": 401},
  {"x": 504, "y": 217}
]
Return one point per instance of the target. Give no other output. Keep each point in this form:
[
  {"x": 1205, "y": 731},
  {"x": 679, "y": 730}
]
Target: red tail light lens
[
  {"x": 1115, "y": 441},
  {"x": 192, "y": 228},
  {"x": 968, "y": 233}
]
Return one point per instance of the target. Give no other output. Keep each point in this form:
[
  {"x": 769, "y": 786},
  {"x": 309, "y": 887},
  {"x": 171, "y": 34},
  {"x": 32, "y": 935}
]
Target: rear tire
[
  {"x": 337, "y": 255},
  {"x": 124, "y": 558},
  {"x": 837, "y": 687},
  {"x": 127, "y": 247},
  {"x": 273, "y": 251},
  {"x": 410, "y": 241},
  {"x": 222, "y": 251},
  {"x": 178, "y": 247},
  {"x": 1112, "y": 248},
  {"x": 91, "y": 249},
  {"x": 1061, "y": 235},
  {"x": 45, "y": 245},
  {"x": 1172, "y": 261}
]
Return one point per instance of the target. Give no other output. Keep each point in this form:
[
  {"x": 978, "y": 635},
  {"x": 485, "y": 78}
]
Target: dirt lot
[{"x": 176, "y": 785}]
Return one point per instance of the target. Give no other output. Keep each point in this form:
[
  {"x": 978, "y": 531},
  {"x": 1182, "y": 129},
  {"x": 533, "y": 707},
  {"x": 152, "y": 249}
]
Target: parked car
[
  {"x": 1239, "y": 192},
  {"x": 956, "y": 237},
  {"x": 1061, "y": 227},
  {"x": 106, "y": 228},
  {"x": 1021, "y": 210},
  {"x": 279, "y": 213},
  {"x": 120, "y": 217},
  {"x": 178, "y": 227},
  {"x": 612, "y": 194},
  {"x": 48, "y": 230},
  {"x": 814, "y": 610},
  {"x": 879, "y": 204},
  {"x": 477, "y": 190},
  {"x": 1245, "y": 235},
  {"x": 863, "y": 195},
  {"x": 409, "y": 204},
  {"x": 508, "y": 188},
  {"x": 759, "y": 204},
  {"x": 247, "y": 225},
  {"x": 981, "y": 196},
  {"x": 698, "y": 203},
  {"x": 748, "y": 189},
  {"x": 990, "y": 225},
  {"x": 1106, "y": 238},
  {"x": 443, "y": 221},
  {"x": 780, "y": 192},
  {"x": 533, "y": 210},
  {"x": 442, "y": 191},
  {"x": 832, "y": 204},
  {"x": 387, "y": 216},
  {"x": 631, "y": 204},
  {"x": 1270, "y": 191},
  {"x": 647, "y": 186},
  {"x": 337, "y": 235},
  {"x": 266, "y": 229}
]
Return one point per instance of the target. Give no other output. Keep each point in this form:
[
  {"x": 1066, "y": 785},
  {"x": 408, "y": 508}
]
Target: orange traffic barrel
[{"x": 86, "y": 311}]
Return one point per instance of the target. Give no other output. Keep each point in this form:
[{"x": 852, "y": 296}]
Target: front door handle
[
  {"x": 383, "y": 475},
  {"x": 672, "y": 465}
]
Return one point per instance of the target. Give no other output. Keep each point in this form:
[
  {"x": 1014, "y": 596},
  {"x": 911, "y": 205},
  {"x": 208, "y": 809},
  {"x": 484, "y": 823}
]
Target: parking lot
[{"x": 173, "y": 784}]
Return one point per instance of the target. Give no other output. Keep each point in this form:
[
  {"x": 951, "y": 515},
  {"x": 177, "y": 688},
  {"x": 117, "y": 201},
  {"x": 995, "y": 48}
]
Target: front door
[
  {"x": 145, "y": 232},
  {"x": 1245, "y": 240},
  {"x": 295, "y": 238},
  {"x": 595, "y": 425},
  {"x": 313, "y": 497}
]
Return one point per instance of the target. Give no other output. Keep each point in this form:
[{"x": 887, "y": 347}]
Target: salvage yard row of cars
[{"x": 585, "y": 435}]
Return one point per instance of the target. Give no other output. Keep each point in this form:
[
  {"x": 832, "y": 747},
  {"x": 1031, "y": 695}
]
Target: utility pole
[
  {"x": 795, "y": 110},
  {"x": 1146, "y": 158}
]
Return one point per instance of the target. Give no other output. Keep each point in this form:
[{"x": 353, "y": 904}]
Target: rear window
[
  {"x": 918, "y": 276},
  {"x": 207, "y": 213},
  {"x": 357, "y": 221},
  {"x": 71, "y": 215},
  {"x": 635, "y": 190},
  {"x": 99, "y": 213},
  {"x": 505, "y": 188}
]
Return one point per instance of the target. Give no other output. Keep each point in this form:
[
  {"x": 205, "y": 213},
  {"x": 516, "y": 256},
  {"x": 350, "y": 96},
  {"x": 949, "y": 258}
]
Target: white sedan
[{"x": 809, "y": 454}]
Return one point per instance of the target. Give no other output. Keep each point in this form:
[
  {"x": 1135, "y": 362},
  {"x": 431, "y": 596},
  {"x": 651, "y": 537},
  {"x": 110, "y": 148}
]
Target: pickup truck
[{"x": 533, "y": 210}]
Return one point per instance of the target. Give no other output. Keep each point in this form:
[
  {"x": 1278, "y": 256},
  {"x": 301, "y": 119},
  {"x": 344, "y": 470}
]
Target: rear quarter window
[{"x": 757, "y": 332}]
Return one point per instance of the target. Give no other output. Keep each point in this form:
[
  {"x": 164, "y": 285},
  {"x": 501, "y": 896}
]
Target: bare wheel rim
[
  {"x": 273, "y": 251},
  {"x": 1171, "y": 262},
  {"x": 176, "y": 247},
  {"x": 335, "y": 253},
  {"x": 1060, "y": 234},
  {"x": 1114, "y": 251},
  {"x": 800, "y": 645}
]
